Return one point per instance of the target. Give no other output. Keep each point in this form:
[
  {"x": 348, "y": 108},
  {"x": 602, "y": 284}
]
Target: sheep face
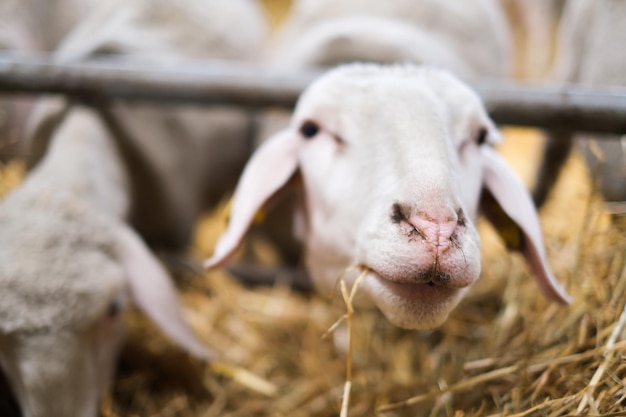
[
  {"x": 395, "y": 197},
  {"x": 393, "y": 162},
  {"x": 61, "y": 309},
  {"x": 64, "y": 372},
  {"x": 67, "y": 279}
]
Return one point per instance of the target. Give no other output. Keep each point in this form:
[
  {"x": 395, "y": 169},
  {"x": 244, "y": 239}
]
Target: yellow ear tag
[
  {"x": 511, "y": 235},
  {"x": 508, "y": 230}
]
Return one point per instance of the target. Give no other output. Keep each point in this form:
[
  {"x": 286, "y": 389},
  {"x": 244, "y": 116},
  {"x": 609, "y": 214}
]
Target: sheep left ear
[
  {"x": 153, "y": 292},
  {"x": 269, "y": 169},
  {"x": 516, "y": 219}
]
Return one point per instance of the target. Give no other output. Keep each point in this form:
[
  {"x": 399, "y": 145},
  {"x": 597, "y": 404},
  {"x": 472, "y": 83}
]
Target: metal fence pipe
[{"x": 568, "y": 107}]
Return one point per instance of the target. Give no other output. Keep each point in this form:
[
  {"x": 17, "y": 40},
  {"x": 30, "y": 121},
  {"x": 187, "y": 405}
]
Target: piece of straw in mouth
[{"x": 348, "y": 298}]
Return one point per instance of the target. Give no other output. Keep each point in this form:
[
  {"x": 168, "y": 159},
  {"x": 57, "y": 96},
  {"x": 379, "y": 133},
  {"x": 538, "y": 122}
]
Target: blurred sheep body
[
  {"x": 71, "y": 256},
  {"x": 471, "y": 38},
  {"x": 168, "y": 147},
  {"x": 536, "y": 20},
  {"x": 591, "y": 52},
  {"x": 31, "y": 27},
  {"x": 393, "y": 162},
  {"x": 39, "y": 25}
]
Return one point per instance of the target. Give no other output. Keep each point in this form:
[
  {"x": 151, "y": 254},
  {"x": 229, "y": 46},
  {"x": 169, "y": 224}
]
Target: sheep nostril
[
  {"x": 397, "y": 215},
  {"x": 461, "y": 219}
]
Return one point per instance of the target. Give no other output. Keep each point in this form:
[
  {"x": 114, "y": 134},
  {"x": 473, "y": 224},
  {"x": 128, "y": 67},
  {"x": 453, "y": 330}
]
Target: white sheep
[
  {"x": 393, "y": 161},
  {"x": 69, "y": 267},
  {"x": 471, "y": 37},
  {"x": 30, "y": 27},
  {"x": 71, "y": 257},
  {"x": 535, "y": 21},
  {"x": 591, "y": 53}
]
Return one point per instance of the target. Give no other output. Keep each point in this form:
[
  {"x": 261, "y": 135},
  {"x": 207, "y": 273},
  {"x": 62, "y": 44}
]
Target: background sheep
[
  {"x": 474, "y": 34},
  {"x": 393, "y": 162},
  {"x": 590, "y": 52},
  {"x": 31, "y": 27},
  {"x": 535, "y": 23},
  {"x": 70, "y": 262}
]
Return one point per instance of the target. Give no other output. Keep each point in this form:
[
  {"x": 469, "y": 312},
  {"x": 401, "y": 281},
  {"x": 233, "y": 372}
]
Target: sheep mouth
[{"x": 427, "y": 291}]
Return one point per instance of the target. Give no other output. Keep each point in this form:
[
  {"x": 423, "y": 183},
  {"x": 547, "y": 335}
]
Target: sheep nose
[
  {"x": 436, "y": 231},
  {"x": 436, "y": 226}
]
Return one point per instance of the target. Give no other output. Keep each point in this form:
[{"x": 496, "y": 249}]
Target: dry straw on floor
[{"x": 505, "y": 351}]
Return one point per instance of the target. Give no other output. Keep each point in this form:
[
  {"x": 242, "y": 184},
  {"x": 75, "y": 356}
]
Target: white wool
[{"x": 470, "y": 36}]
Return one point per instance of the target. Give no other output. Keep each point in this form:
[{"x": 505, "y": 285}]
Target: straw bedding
[{"x": 505, "y": 351}]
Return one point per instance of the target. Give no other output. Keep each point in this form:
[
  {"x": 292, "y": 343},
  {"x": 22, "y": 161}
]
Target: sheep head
[
  {"x": 68, "y": 274},
  {"x": 393, "y": 161}
]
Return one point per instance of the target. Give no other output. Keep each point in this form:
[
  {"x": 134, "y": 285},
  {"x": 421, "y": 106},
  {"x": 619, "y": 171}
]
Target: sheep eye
[
  {"x": 482, "y": 137},
  {"x": 114, "y": 309},
  {"x": 309, "y": 129}
]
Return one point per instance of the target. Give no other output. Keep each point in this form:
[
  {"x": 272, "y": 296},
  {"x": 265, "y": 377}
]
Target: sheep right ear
[
  {"x": 508, "y": 204},
  {"x": 153, "y": 292},
  {"x": 269, "y": 169}
]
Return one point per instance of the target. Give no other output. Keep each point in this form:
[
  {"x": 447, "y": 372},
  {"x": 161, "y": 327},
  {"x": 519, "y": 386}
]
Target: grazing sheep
[
  {"x": 71, "y": 256},
  {"x": 591, "y": 52},
  {"x": 392, "y": 161},
  {"x": 69, "y": 267}
]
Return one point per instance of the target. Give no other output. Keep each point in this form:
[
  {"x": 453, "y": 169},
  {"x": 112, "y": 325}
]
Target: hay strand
[
  {"x": 245, "y": 378},
  {"x": 348, "y": 299},
  {"x": 608, "y": 355}
]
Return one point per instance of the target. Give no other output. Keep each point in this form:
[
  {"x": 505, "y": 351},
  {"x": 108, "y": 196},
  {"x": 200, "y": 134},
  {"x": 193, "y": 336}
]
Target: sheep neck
[{"x": 84, "y": 163}]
